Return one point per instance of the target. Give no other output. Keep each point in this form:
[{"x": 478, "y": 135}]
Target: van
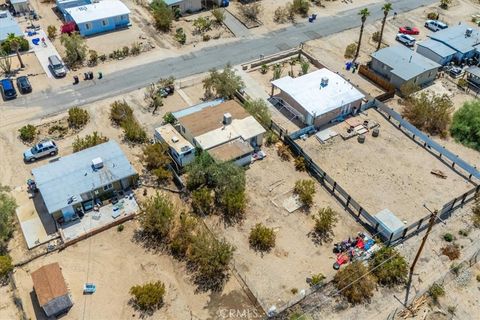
[
  {"x": 56, "y": 66},
  {"x": 435, "y": 25}
]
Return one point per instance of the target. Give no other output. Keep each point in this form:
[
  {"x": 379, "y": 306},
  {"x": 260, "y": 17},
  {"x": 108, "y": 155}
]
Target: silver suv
[
  {"x": 435, "y": 25},
  {"x": 56, "y": 66},
  {"x": 40, "y": 150}
]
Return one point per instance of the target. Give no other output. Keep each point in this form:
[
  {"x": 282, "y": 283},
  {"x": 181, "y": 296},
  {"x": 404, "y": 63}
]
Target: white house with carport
[{"x": 318, "y": 97}]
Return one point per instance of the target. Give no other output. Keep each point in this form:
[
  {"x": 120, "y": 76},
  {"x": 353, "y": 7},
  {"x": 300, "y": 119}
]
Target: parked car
[
  {"x": 56, "y": 66},
  {"x": 435, "y": 25},
  {"x": 406, "y": 39},
  {"x": 24, "y": 85},
  {"x": 8, "y": 90},
  {"x": 408, "y": 30},
  {"x": 40, "y": 150}
]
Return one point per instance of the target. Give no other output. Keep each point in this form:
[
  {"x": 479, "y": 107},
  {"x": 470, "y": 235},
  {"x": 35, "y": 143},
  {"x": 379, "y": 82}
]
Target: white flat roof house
[
  {"x": 182, "y": 151},
  {"x": 319, "y": 96}
]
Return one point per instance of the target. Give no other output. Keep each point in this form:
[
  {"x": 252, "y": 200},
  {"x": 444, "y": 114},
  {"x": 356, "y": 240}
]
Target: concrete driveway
[{"x": 43, "y": 51}]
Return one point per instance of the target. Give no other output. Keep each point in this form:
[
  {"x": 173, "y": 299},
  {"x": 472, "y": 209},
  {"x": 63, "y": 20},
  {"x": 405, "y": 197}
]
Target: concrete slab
[{"x": 43, "y": 51}]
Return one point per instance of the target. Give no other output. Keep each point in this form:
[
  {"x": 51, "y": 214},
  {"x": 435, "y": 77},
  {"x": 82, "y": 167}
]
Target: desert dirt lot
[
  {"x": 390, "y": 171},
  {"x": 273, "y": 275},
  {"x": 114, "y": 263}
]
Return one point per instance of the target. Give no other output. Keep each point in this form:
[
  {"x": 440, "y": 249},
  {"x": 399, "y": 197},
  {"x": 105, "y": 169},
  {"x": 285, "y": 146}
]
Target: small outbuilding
[
  {"x": 185, "y": 6},
  {"x": 51, "y": 290},
  {"x": 319, "y": 97},
  {"x": 400, "y": 66},
  {"x": 182, "y": 151},
  {"x": 389, "y": 226},
  {"x": 8, "y": 25},
  {"x": 20, "y": 6}
]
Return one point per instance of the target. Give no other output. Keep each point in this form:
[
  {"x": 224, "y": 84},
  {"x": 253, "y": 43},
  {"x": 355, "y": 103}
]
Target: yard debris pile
[{"x": 349, "y": 250}]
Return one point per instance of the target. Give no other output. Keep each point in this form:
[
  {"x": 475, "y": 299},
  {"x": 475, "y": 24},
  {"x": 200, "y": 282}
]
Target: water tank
[
  {"x": 97, "y": 163},
  {"x": 227, "y": 118}
]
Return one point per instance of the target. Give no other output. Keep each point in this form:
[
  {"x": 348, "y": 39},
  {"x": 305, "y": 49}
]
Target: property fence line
[{"x": 16, "y": 299}]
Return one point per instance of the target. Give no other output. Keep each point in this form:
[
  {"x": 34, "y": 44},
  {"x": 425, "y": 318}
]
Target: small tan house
[
  {"x": 51, "y": 290},
  {"x": 318, "y": 97}
]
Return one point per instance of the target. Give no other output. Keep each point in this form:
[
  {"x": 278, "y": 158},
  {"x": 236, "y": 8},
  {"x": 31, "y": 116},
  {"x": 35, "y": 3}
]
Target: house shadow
[
  {"x": 47, "y": 220},
  {"x": 39, "y": 314}
]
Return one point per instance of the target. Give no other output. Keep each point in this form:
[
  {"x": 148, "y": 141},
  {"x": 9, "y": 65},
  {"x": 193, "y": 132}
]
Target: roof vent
[
  {"x": 185, "y": 148},
  {"x": 227, "y": 118},
  {"x": 468, "y": 32},
  {"x": 97, "y": 163},
  {"x": 324, "y": 82},
  {"x": 175, "y": 139}
]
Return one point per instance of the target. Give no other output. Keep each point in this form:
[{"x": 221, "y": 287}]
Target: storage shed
[{"x": 389, "y": 226}]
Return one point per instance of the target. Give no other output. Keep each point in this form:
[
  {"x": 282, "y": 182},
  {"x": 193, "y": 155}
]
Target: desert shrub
[
  {"x": 376, "y": 36},
  {"x": 183, "y": 234},
  {"x": 156, "y": 159},
  {"x": 271, "y": 138},
  {"x": 57, "y": 128},
  {"x": 478, "y": 277},
  {"x": 7, "y": 211},
  {"x": 169, "y": 118},
  {"x": 156, "y": 218},
  {"x": 180, "y": 36},
  {"x": 120, "y": 227},
  {"x": 317, "y": 279},
  {"x": 202, "y": 24},
  {"x": 448, "y": 237},
  {"x": 283, "y": 152},
  {"x": 102, "y": 57},
  {"x": 325, "y": 221},
  {"x": 305, "y": 66},
  {"x": 432, "y": 15},
  {"x": 452, "y": 251},
  {"x": 464, "y": 232},
  {"x": 264, "y": 69},
  {"x": 251, "y": 11},
  {"x": 77, "y": 117},
  {"x": 350, "y": 50},
  {"x": 28, "y": 133},
  {"x": 408, "y": 89},
  {"x": 133, "y": 131},
  {"x": 435, "y": 291},
  {"x": 259, "y": 110},
  {"x": 88, "y": 141},
  {"x": 429, "y": 112},
  {"x": 462, "y": 83},
  {"x": 294, "y": 290},
  {"x": 455, "y": 268},
  {"x": 162, "y": 15},
  {"x": 389, "y": 267},
  {"x": 222, "y": 84},
  {"x": 119, "y": 112},
  {"x": 149, "y": 296},
  {"x": 476, "y": 212},
  {"x": 355, "y": 283},
  {"x": 75, "y": 48},
  {"x": 444, "y": 4},
  {"x": 202, "y": 201},
  {"x": 135, "y": 49},
  {"x": 51, "y": 32},
  {"x": 300, "y": 7},
  {"x": 5, "y": 266},
  {"x": 300, "y": 164},
  {"x": 466, "y": 125},
  {"x": 277, "y": 71},
  {"x": 93, "y": 57},
  {"x": 280, "y": 15},
  {"x": 219, "y": 15},
  {"x": 305, "y": 189},
  {"x": 262, "y": 238}
]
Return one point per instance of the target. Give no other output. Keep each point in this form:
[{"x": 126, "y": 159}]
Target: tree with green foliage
[
  {"x": 5, "y": 266},
  {"x": 183, "y": 235},
  {"x": 387, "y": 7},
  {"x": 305, "y": 66},
  {"x": 305, "y": 189},
  {"x": 88, "y": 141},
  {"x": 198, "y": 171},
  {"x": 133, "y": 131},
  {"x": 476, "y": 212},
  {"x": 259, "y": 110},
  {"x": 262, "y": 238},
  {"x": 202, "y": 25},
  {"x": 153, "y": 97},
  {"x": 75, "y": 48},
  {"x": 169, "y": 118},
  {"x": 277, "y": 71},
  {"x": 149, "y": 296},
  {"x": 77, "y": 117},
  {"x": 389, "y": 267},
  {"x": 436, "y": 291},
  {"x": 325, "y": 221},
  {"x": 202, "y": 201},
  {"x": 429, "y": 112},
  {"x": 156, "y": 159},
  {"x": 28, "y": 133},
  {"x": 466, "y": 125},
  {"x": 15, "y": 44},
  {"x": 364, "y": 13},
  {"x": 51, "y": 32},
  {"x": 157, "y": 214},
  {"x": 222, "y": 84},
  {"x": 5, "y": 62},
  {"x": 162, "y": 15},
  {"x": 120, "y": 111},
  {"x": 210, "y": 258},
  {"x": 7, "y": 212},
  {"x": 355, "y": 283},
  {"x": 300, "y": 7},
  {"x": 180, "y": 36},
  {"x": 219, "y": 15}
]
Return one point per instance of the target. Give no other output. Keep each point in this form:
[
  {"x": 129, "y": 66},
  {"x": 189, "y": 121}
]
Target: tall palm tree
[
  {"x": 15, "y": 46},
  {"x": 387, "y": 7},
  {"x": 364, "y": 13}
]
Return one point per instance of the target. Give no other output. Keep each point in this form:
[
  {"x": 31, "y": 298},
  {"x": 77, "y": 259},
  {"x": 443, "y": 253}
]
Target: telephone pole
[{"x": 433, "y": 217}]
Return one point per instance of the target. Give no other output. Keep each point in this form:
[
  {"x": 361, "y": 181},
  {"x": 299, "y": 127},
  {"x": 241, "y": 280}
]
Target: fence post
[
  {"x": 453, "y": 203},
  {"x": 404, "y": 233},
  {"x": 376, "y": 227},
  {"x": 420, "y": 223},
  {"x": 334, "y": 186},
  {"x": 463, "y": 198},
  {"x": 359, "y": 212},
  {"x": 348, "y": 201}
]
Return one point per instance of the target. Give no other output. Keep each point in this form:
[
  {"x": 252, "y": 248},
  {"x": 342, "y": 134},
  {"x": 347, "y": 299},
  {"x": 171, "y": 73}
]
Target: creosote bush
[
  {"x": 88, "y": 141},
  {"x": 262, "y": 238},
  {"x": 156, "y": 159},
  {"x": 436, "y": 291},
  {"x": 466, "y": 125},
  {"x": 305, "y": 189},
  {"x": 355, "y": 283},
  {"x": 325, "y": 221},
  {"x": 77, "y": 117},
  {"x": 300, "y": 164},
  {"x": 149, "y": 296},
  {"x": 350, "y": 50},
  {"x": 389, "y": 267},
  {"x": 283, "y": 152},
  {"x": 28, "y": 133},
  {"x": 119, "y": 112}
]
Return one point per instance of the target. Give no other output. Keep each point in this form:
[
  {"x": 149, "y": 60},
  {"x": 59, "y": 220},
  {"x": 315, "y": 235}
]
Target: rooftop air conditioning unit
[
  {"x": 227, "y": 118},
  {"x": 468, "y": 32},
  {"x": 324, "y": 82},
  {"x": 175, "y": 139},
  {"x": 97, "y": 163}
]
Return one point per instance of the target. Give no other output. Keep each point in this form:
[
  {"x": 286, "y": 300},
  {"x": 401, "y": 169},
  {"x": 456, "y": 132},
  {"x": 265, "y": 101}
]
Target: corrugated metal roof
[
  {"x": 474, "y": 70},
  {"x": 455, "y": 37},
  {"x": 74, "y": 175},
  {"x": 439, "y": 48},
  {"x": 198, "y": 107},
  {"x": 98, "y": 11},
  {"x": 405, "y": 63},
  {"x": 8, "y": 25}
]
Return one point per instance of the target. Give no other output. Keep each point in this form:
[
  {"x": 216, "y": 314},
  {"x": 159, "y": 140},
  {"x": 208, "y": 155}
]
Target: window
[
  {"x": 104, "y": 23},
  {"x": 88, "y": 26},
  {"x": 107, "y": 187}
]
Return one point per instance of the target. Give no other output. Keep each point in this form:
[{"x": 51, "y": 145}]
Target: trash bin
[
  {"x": 90, "y": 75},
  {"x": 100, "y": 75},
  {"x": 314, "y": 16},
  {"x": 75, "y": 80},
  {"x": 310, "y": 19}
]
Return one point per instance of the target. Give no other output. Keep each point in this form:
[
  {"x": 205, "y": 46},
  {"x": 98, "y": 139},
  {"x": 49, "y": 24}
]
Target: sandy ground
[
  {"x": 114, "y": 263},
  {"x": 8, "y": 309},
  {"x": 390, "y": 171},
  {"x": 295, "y": 257}
]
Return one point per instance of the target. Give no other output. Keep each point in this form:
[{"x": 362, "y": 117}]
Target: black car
[
  {"x": 24, "y": 85},
  {"x": 8, "y": 90}
]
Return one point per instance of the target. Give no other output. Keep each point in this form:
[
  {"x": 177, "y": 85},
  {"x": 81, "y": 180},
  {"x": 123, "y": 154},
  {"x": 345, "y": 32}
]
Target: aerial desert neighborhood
[{"x": 240, "y": 159}]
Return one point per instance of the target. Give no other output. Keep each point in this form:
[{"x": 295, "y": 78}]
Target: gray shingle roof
[
  {"x": 456, "y": 38},
  {"x": 74, "y": 174},
  {"x": 404, "y": 62},
  {"x": 438, "y": 47}
]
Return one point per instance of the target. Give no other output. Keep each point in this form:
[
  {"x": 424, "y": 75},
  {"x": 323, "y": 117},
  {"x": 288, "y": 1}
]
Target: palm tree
[
  {"x": 14, "y": 42},
  {"x": 387, "y": 7},
  {"x": 364, "y": 13}
]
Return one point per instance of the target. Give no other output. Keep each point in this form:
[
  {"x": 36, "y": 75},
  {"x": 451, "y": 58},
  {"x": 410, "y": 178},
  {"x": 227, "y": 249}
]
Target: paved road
[
  {"x": 235, "y": 26},
  {"x": 54, "y": 101}
]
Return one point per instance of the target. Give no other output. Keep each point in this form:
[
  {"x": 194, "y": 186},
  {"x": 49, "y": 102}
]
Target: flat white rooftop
[
  {"x": 318, "y": 99},
  {"x": 173, "y": 138},
  {"x": 97, "y": 11}
]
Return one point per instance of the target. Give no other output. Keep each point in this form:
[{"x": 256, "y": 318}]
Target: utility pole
[{"x": 412, "y": 267}]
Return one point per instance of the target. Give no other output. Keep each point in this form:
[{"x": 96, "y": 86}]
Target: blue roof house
[
  {"x": 80, "y": 180},
  {"x": 93, "y": 16},
  {"x": 8, "y": 25},
  {"x": 457, "y": 44}
]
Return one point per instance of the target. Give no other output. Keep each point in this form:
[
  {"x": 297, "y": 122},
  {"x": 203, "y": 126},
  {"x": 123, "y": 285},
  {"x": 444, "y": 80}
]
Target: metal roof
[
  {"x": 198, "y": 107},
  {"x": 456, "y": 38},
  {"x": 62, "y": 182},
  {"x": 98, "y": 11},
  {"x": 474, "y": 70},
  {"x": 8, "y": 25},
  {"x": 405, "y": 63},
  {"x": 317, "y": 98},
  {"x": 438, "y": 48}
]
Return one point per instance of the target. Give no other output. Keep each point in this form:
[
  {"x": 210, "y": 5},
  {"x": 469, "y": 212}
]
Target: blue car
[{"x": 8, "y": 90}]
